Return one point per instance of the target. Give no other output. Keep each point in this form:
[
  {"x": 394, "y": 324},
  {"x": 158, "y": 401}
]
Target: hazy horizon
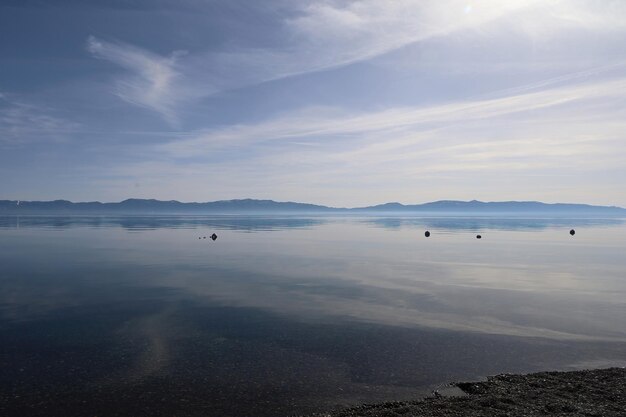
[
  {"x": 312, "y": 203},
  {"x": 326, "y": 101}
]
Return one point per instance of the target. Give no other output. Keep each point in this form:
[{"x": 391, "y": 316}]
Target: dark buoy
[
  {"x": 572, "y": 232},
  {"x": 214, "y": 237},
  {"x": 427, "y": 234},
  {"x": 479, "y": 237},
  {"x": 204, "y": 237}
]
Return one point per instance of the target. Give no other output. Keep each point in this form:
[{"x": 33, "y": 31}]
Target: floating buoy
[
  {"x": 214, "y": 236},
  {"x": 479, "y": 237},
  {"x": 427, "y": 234},
  {"x": 572, "y": 232}
]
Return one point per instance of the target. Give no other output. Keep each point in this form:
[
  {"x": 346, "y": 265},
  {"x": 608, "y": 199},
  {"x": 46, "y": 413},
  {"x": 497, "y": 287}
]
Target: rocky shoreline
[{"x": 600, "y": 392}]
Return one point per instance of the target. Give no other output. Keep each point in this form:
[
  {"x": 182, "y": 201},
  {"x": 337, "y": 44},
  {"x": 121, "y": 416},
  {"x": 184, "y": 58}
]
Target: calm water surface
[{"x": 286, "y": 315}]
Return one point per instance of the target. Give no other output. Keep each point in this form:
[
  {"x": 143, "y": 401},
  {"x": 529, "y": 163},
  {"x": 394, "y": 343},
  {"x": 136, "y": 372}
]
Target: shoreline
[{"x": 597, "y": 392}]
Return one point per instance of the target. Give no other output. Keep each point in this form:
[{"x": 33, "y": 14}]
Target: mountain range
[{"x": 251, "y": 206}]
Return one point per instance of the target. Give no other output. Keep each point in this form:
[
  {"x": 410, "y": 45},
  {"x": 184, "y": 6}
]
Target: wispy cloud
[
  {"x": 529, "y": 142},
  {"x": 342, "y": 33},
  {"x": 329, "y": 34},
  {"x": 319, "y": 123},
  {"x": 325, "y": 34},
  {"x": 21, "y": 122},
  {"x": 363, "y": 101},
  {"x": 152, "y": 79}
]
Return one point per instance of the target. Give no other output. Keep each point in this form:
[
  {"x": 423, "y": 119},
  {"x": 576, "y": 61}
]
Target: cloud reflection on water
[
  {"x": 288, "y": 315},
  {"x": 526, "y": 278}
]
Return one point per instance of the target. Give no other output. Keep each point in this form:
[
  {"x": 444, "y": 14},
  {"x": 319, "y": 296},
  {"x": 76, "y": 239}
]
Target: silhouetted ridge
[{"x": 251, "y": 206}]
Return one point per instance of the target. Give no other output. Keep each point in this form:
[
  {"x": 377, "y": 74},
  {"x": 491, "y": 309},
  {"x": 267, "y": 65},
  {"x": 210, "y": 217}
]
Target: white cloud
[
  {"x": 391, "y": 123},
  {"x": 530, "y": 144},
  {"x": 529, "y": 140},
  {"x": 326, "y": 34},
  {"x": 21, "y": 121},
  {"x": 331, "y": 34},
  {"x": 341, "y": 33},
  {"x": 152, "y": 82}
]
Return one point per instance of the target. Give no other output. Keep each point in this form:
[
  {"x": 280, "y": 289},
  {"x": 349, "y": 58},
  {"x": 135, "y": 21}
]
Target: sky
[{"x": 342, "y": 103}]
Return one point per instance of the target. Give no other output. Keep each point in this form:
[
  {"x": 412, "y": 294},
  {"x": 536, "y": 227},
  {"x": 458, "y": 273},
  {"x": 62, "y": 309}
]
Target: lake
[{"x": 290, "y": 315}]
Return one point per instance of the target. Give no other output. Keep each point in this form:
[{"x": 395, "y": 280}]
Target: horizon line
[{"x": 18, "y": 201}]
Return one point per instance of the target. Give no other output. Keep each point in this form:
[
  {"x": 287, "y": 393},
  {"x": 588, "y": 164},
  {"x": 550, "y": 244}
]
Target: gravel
[{"x": 600, "y": 392}]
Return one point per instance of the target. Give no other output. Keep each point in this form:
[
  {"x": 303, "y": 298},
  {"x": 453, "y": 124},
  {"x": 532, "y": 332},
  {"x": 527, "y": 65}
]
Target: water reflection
[
  {"x": 319, "y": 313},
  {"x": 488, "y": 223},
  {"x": 242, "y": 223},
  {"x": 273, "y": 223}
]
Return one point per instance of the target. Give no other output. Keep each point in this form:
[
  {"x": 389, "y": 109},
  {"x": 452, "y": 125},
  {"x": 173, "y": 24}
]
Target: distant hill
[
  {"x": 498, "y": 207},
  {"x": 250, "y": 206},
  {"x": 142, "y": 206}
]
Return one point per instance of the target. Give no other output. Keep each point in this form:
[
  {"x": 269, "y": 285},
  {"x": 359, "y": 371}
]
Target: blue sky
[{"x": 344, "y": 103}]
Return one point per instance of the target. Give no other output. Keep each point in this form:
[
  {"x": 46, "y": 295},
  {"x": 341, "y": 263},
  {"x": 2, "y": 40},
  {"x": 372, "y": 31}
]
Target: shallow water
[{"x": 288, "y": 315}]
